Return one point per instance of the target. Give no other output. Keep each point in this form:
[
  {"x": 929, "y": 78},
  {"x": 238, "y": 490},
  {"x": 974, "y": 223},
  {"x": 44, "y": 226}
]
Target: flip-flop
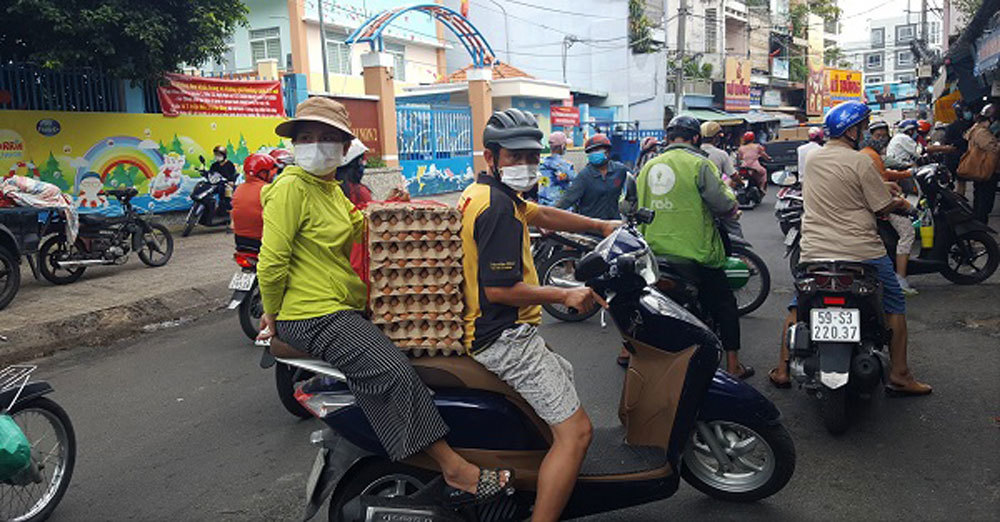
[
  {"x": 780, "y": 385},
  {"x": 895, "y": 390},
  {"x": 748, "y": 372},
  {"x": 488, "y": 488},
  {"x": 622, "y": 361}
]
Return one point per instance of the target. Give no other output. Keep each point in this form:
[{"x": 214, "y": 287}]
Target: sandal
[
  {"x": 488, "y": 488},
  {"x": 748, "y": 372},
  {"x": 776, "y": 383},
  {"x": 913, "y": 389}
]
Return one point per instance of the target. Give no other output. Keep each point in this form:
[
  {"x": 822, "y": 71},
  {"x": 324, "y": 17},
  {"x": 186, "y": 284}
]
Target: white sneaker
[{"x": 905, "y": 286}]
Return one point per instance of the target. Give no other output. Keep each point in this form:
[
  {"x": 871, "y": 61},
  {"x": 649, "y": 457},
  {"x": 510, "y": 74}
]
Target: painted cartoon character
[
  {"x": 170, "y": 177},
  {"x": 89, "y": 191}
]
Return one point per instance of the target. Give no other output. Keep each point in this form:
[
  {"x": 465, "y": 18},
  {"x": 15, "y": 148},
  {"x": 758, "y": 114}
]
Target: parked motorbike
[
  {"x": 33, "y": 493},
  {"x": 788, "y": 209},
  {"x": 103, "y": 241},
  {"x": 953, "y": 243},
  {"x": 837, "y": 347},
  {"x": 748, "y": 194},
  {"x": 208, "y": 208},
  {"x": 681, "y": 417},
  {"x": 246, "y": 293}
]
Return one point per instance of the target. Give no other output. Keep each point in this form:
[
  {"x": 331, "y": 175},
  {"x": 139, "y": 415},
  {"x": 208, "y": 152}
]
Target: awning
[
  {"x": 720, "y": 117},
  {"x": 759, "y": 117}
]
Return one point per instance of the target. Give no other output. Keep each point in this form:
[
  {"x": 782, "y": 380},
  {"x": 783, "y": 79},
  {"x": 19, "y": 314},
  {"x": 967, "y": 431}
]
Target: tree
[
  {"x": 132, "y": 39},
  {"x": 176, "y": 146},
  {"x": 835, "y": 57},
  {"x": 640, "y": 29},
  {"x": 967, "y": 7},
  {"x": 50, "y": 173},
  {"x": 119, "y": 177},
  {"x": 799, "y": 14}
]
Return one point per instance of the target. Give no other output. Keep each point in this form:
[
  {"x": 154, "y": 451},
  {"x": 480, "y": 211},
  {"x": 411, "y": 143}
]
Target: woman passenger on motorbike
[
  {"x": 315, "y": 302},
  {"x": 750, "y": 154}
]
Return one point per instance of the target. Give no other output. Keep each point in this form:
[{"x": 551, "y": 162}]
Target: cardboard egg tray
[{"x": 415, "y": 271}]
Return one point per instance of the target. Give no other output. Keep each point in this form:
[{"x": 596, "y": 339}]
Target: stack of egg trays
[{"x": 415, "y": 272}]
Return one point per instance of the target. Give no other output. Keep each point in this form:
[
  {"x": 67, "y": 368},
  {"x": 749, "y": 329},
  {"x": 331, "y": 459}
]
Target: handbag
[{"x": 976, "y": 164}]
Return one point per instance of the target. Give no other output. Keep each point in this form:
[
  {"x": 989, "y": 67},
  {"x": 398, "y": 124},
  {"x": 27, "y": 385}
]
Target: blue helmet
[
  {"x": 908, "y": 125},
  {"x": 845, "y": 116}
]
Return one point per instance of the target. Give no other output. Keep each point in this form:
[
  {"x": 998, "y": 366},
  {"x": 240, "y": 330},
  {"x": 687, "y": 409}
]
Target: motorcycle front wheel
[
  {"x": 558, "y": 271},
  {"x": 250, "y": 312},
  {"x": 762, "y": 460},
  {"x": 51, "y": 252},
  {"x": 194, "y": 215},
  {"x": 753, "y": 294},
  {"x": 10, "y": 276},
  {"x": 33, "y": 495},
  {"x": 157, "y": 246},
  {"x": 972, "y": 258},
  {"x": 285, "y": 379}
]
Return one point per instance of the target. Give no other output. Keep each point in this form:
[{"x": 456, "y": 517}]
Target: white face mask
[
  {"x": 319, "y": 159},
  {"x": 520, "y": 178}
]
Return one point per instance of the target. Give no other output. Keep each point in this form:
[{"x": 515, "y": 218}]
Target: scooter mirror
[
  {"x": 201, "y": 159},
  {"x": 629, "y": 205},
  {"x": 784, "y": 178}
]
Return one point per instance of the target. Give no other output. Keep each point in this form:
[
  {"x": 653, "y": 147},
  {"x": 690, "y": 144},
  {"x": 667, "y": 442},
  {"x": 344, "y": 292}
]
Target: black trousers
[
  {"x": 717, "y": 300},
  {"x": 983, "y": 197}
]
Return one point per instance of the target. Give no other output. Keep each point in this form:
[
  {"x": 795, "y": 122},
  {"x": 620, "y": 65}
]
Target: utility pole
[
  {"x": 681, "y": 27},
  {"x": 946, "y": 25},
  {"x": 923, "y": 22},
  {"x": 322, "y": 43}
]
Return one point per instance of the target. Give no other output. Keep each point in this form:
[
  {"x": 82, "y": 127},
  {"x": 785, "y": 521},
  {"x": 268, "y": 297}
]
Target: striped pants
[{"x": 385, "y": 385}]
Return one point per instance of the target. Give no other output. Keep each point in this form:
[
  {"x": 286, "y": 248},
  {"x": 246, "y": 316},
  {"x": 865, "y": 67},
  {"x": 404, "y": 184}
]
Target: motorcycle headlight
[{"x": 647, "y": 268}]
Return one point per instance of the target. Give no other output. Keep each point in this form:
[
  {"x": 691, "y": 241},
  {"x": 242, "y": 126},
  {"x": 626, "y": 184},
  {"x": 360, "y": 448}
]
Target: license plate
[
  {"x": 314, "y": 475},
  {"x": 836, "y": 325},
  {"x": 242, "y": 281},
  {"x": 790, "y": 236}
]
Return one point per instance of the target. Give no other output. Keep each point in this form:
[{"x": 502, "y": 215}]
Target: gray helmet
[
  {"x": 687, "y": 123},
  {"x": 513, "y": 129},
  {"x": 876, "y": 125}
]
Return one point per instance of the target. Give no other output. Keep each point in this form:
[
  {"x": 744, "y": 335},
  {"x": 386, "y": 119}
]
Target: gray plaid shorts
[{"x": 544, "y": 378}]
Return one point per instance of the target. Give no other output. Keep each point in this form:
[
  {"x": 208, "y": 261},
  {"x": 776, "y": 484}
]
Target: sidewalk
[{"x": 113, "y": 302}]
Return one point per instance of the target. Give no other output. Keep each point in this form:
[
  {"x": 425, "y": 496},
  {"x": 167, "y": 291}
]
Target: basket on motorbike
[{"x": 415, "y": 275}]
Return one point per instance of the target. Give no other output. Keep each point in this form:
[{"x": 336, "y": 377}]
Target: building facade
[{"x": 886, "y": 56}]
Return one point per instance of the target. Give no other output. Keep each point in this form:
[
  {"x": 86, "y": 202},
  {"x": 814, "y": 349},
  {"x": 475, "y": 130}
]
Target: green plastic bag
[{"x": 15, "y": 451}]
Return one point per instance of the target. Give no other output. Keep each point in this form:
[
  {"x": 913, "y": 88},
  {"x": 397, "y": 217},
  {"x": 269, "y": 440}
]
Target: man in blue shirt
[
  {"x": 596, "y": 190},
  {"x": 557, "y": 173}
]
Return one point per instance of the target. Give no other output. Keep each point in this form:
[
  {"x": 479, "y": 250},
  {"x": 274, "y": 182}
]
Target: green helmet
[{"x": 737, "y": 272}]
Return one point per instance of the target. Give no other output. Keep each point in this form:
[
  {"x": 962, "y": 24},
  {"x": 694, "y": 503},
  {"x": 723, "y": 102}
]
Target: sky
[{"x": 856, "y": 14}]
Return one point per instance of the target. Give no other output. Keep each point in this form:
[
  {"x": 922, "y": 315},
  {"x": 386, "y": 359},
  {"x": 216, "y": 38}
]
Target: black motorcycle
[
  {"x": 556, "y": 255},
  {"x": 953, "y": 242},
  {"x": 788, "y": 209},
  {"x": 103, "y": 241},
  {"x": 837, "y": 347},
  {"x": 748, "y": 194},
  {"x": 33, "y": 493},
  {"x": 210, "y": 205},
  {"x": 246, "y": 293}
]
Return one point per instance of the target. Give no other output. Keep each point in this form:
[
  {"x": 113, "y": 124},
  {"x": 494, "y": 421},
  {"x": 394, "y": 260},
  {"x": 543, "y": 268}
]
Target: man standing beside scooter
[
  {"x": 844, "y": 195},
  {"x": 503, "y": 298},
  {"x": 685, "y": 190}
]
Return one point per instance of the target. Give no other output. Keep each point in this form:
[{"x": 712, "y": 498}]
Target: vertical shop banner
[
  {"x": 841, "y": 86},
  {"x": 814, "y": 83},
  {"x": 737, "y": 85},
  {"x": 196, "y": 95},
  {"x": 565, "y": 116},
  {"x": 364, "y": 121}
]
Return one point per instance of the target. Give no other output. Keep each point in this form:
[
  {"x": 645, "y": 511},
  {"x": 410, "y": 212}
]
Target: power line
[{"x": 560, "y": 11}]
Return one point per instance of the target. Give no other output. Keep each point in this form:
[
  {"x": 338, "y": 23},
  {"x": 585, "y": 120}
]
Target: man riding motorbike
[
  {"x": 225, "y": 168},
  {"x": 248, "y": 223},
  {"x": 874, "y": 145},
  {"x": 903, "y": 151},
  {"x": 557, "y": 173},
  {"x": 685, "y": 190},
  {"x": 844, "y": 195},
  {"x": 597, "y": 188},
  {"x": 816, "y": 139},
  {"x": 502, "y": 297},
  {"x": 750, "y": 154}
]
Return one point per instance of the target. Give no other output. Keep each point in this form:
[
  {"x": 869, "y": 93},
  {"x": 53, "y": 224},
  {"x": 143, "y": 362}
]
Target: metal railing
[
  {"x": 427, "y": 132},
  {"x": 34, "y": 88}
]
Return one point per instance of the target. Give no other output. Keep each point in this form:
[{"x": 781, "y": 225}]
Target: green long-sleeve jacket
[{"x": 304, "y": 269}]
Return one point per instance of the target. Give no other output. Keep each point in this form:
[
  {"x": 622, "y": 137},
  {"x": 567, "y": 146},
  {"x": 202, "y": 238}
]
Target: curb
[{"x": 109, "y": 324}]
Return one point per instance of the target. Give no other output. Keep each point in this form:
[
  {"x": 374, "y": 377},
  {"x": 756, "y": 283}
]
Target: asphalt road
[{"x": 181, "y": 424}]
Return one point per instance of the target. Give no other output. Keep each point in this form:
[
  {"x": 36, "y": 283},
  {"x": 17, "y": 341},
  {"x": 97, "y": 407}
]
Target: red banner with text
[
  {"x": 564, "y": 116},
  {"x": 196, "y": 95}
]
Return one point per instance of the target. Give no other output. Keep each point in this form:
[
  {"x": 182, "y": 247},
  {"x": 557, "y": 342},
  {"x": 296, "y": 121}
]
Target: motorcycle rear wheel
[
  {"x": 160, "y": 235},
  {"x": 748, "y": 300},
  {"x": 376, "y": 477},
  {"x": 10, "y": 277},
  {"x": 285, "y": 379},
  {"x": 250, "y": 312},
  {"x": 749, "y": 481},
  {"x": 557, "y": 271},
  {"x": 975, "y": 241},
  {"x": 55, "y": 458},
  {"x": 48, "y": 255}
]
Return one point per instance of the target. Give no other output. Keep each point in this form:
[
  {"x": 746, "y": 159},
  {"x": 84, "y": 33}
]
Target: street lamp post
[
  {"x": 506, "y": 27},
  {"x": 323, "y": 51}
]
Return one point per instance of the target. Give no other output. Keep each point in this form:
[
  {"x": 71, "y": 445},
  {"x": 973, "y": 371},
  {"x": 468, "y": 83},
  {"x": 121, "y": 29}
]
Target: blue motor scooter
[{"x": 680, "y": 417}]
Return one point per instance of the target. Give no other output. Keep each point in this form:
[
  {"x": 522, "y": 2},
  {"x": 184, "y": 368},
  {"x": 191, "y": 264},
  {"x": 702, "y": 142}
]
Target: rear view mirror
[
  {"x": 590, "y": 266},
  {"x": 784, "y": 178},
  {"x": 629, "y": 204},
  {"x": 201, "y": 159}
]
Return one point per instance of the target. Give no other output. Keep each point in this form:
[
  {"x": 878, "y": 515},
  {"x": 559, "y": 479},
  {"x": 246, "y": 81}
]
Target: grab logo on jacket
[{"x": 661, "y": 179}]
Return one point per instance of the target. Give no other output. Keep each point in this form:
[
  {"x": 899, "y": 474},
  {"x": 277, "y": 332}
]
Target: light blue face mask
[{"x": 597, "y": 158}]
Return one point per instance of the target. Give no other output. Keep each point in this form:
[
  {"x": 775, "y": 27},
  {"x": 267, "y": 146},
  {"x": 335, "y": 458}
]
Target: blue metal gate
[{"x": 435, "y": 147}]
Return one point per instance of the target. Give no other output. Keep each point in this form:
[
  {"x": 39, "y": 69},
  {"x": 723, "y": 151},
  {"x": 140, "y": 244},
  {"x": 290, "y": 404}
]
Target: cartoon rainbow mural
[{"x": 110, "y": 152}]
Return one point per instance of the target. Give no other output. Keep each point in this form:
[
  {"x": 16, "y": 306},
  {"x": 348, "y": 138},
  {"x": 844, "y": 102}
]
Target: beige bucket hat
[{"x": 318, "y": 108}]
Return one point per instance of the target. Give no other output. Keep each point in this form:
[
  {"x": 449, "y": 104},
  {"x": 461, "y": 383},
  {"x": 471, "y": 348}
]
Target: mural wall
[{"x": 82, "y": 153}]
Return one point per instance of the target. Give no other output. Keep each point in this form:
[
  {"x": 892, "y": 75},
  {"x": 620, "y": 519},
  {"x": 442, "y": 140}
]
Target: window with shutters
[
  {"x": 338, "y": 54},
  {"x": 398, "y": 53},
  {"x": 904, "y": 59},
  {"x": 711, "y": 27},
  {"x": 265, "y": 44}
]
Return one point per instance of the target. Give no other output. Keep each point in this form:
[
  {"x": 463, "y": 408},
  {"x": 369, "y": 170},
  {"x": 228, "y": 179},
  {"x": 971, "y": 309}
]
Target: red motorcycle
[{"x": 246, "y": 294}]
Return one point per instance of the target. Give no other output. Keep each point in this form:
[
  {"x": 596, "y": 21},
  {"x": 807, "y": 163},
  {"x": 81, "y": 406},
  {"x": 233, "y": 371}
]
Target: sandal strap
[{"x": 489, "y": 483}]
